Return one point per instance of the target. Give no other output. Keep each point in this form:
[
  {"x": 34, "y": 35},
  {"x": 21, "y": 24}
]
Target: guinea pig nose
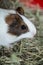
[{"x": 23, "y": 27}]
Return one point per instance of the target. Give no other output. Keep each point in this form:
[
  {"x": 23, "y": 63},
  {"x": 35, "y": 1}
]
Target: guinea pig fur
[{"x": 14, "y": 26}]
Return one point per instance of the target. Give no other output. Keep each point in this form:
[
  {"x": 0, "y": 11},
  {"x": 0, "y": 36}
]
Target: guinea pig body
[{"x": 14, "y": 27}]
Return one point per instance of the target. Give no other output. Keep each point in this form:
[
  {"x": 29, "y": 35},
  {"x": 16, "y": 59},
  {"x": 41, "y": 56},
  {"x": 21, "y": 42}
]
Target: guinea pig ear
[{"x": 20, "y": 10}]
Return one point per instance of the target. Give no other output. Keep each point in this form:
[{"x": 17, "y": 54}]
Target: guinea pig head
[{"x": 16, "y": 25}]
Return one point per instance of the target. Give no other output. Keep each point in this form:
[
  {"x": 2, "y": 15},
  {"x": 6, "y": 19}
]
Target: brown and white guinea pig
[{"x": 14, "y": 26}]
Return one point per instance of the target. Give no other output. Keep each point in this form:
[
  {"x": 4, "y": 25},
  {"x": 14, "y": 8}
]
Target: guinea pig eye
[{"x": 23, "y": 27}]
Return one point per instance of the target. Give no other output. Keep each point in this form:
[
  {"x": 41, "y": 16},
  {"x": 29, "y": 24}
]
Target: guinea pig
[{"x": 14, "y": 26}]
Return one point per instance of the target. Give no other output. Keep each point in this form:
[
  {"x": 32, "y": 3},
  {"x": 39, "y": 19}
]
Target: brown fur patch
[
  {"x": 16, "y": 24},
  {"x": 9, "y": 19}
]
